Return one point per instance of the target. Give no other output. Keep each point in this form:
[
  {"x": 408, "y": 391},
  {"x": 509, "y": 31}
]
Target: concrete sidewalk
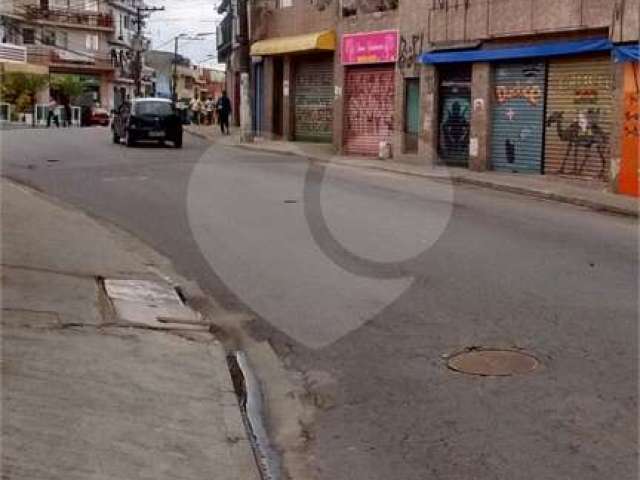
[
  {"x": 591, "y": 195},
  {"x": 93, "y": 386}
]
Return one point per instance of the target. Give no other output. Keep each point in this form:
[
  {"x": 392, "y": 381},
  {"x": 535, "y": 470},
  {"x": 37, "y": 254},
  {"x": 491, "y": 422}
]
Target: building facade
[
  {"x": 527, "y": 86},
  {"x": 232, "y": 43},
  {"x": 122, "y": 52},
  {"x": 93, "y": 39}
]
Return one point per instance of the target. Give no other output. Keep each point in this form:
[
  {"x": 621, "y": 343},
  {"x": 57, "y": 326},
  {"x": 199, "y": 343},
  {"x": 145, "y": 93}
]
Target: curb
[{"x": 459, "y": 179}]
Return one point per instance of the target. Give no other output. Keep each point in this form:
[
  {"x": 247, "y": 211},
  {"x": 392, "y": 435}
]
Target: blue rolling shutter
[{"x": 518, "y": 117}]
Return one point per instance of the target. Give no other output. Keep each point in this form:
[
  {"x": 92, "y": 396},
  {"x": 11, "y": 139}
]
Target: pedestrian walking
[
  {"x": 196, "y": 106},
  {"x": 224, "y": 110},
  {"x": 209, "y": 106},
  {"x": 67, "y": 113},
  {"x": 52, "y": 113}
]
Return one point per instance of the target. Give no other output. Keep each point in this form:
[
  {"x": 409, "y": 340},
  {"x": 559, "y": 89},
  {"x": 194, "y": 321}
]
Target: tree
[
  {"x": 21, "y": 89},
  {"x": 68, "y": 86}
]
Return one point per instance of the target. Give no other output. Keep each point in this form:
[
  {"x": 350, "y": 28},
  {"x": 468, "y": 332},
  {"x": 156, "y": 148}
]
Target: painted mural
[
  {"x": 628, "y": 179},
  {"x": 579, "y": 118},
  {"x": 584, "y": 137},
  {"x": 455, "y": 126},
  {"x": 518, "y": 117}
]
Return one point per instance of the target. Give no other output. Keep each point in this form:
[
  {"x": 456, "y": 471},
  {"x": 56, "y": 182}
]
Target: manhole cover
[
  {"x": 493, "y": 362},
  {"x": 290, "y": 201}
]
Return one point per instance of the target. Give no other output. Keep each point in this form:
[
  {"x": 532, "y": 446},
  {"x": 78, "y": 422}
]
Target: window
[
  {"x": 91, "y": 5},
  {"x": 49, "y": 37},
  {"x": 62, "y": 39},
  {"x": 284, "y": 3},
  {"x": 28, "y": 36},
  {"x": 91, "y": 42},
  {"x": 153, "y": 108}
]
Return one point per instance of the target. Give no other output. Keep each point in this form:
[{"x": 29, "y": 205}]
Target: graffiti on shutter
[
  {"x": 578, "y": 123},
  {"x": 369, "y": 103},
  {"x": 455, "y": 115},
  {"x": 518, "y": 117},
  {"x": 314, "y": 100}
]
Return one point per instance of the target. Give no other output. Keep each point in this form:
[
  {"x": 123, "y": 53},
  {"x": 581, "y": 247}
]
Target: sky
[{"x": 185, "y": 16}]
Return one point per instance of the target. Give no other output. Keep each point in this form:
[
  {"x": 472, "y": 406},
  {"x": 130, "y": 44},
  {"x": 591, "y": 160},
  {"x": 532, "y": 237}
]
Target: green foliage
[
  {"x": 69, "y": 86},
  {"x": 21, "y": 89}
]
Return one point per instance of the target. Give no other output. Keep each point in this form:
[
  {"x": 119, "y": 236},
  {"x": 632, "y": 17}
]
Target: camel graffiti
[{"x": 583, "y": 133}]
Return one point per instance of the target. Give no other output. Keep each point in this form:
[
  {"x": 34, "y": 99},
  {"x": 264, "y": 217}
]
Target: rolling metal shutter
[
  {"x": 578, "y": 124},
  {"x": 518, "y": 117},
  {"x": 454, "y": 115},
  {"x": 369, "y": 103},
  {"x": 314, "y": 100}
]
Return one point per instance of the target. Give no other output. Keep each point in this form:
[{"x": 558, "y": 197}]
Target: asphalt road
[{"x": 369, "y": 280}]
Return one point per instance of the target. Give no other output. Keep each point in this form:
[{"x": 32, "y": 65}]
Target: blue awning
[
  {"x": 543, "y": 50},
  {"x": 627, "y": 53}
]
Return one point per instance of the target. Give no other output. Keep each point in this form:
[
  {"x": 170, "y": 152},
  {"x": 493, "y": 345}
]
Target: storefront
[
  {"x": 369, "y": 90},
  {"x": 294, "y": 86},
  {"x": 454, "y": 114},
  {"x": 579, "y": 117},
  {"x": 313, "y": 99},
  {"x": 549, "y": 107},
  {"x": 517, "y": 126}
]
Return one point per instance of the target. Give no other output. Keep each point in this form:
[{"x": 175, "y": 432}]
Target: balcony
[
  {"x": 64, "y": 61},
  {"x": 224, "y": 38},
  {"x": 128, "y": 6},
  {"x": 70, "y": 18}
]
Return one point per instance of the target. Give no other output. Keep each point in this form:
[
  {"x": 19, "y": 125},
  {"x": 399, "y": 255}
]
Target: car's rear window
[{"x": 153, "y": 108}]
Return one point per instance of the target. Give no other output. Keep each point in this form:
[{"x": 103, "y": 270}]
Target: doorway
[
  {"x": 411, "y": 114},
  {"x": 278, "y": 76}
]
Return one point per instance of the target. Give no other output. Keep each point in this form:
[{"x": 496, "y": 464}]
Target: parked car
[
  {"x": 99, "y": 116},
  {"x": 147, "y": 119}
]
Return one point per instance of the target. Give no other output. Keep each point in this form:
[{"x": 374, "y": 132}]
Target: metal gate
[
  {"x": 313, "y": 100},
  {"x": 455, "y": 115},
  {"x": 369, "y": 103},
  {"x": 578, "y": 123},
  {"x": 518, "y": 117}
]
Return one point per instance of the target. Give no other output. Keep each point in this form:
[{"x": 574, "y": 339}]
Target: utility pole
[
  {"x": 197, "y": 36},
  {"x": 138, "y": 46},
  {"x": 174, "y": 91}
]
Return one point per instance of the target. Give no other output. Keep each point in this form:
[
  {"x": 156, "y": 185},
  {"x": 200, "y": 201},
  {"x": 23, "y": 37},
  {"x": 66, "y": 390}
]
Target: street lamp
[{"x": 184, "y": 36}]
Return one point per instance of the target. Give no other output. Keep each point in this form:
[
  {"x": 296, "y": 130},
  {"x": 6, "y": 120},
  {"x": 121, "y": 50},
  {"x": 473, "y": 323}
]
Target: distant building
[
  {"x": 190, "y": 80},
  {"x": 93, "y": 39}
]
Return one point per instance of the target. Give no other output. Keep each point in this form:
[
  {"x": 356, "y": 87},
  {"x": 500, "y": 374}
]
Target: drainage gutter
[{"x": 251, "y": 403}]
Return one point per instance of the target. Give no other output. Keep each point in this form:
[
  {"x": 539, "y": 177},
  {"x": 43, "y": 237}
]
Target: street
[{"x": 370, "y": 280}]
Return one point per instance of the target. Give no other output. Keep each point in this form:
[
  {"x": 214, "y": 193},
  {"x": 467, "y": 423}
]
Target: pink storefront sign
[{"x": 370, "y": 47}]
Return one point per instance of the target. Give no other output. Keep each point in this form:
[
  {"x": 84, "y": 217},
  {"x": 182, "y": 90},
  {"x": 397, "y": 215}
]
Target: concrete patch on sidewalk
[{"x": 153, "y": 303}]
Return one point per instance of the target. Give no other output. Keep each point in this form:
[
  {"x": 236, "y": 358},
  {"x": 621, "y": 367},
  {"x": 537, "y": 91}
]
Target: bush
[{"x": 21, "y": 89}]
